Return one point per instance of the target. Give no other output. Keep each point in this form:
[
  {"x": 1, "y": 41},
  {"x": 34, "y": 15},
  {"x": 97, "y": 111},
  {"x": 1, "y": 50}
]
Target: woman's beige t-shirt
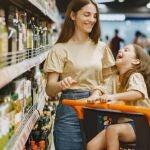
[{"x": 82, "y": 61}]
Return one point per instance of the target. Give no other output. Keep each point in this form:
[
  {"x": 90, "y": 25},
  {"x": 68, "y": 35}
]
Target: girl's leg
[
  {"x": 119, "y": 132},
  {"x": 98, "y": 142}
]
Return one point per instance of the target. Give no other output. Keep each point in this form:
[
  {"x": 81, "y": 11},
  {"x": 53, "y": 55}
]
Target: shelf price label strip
[
  {"x": 26, "y": 131},
  {"x": 9, "y": 73}
]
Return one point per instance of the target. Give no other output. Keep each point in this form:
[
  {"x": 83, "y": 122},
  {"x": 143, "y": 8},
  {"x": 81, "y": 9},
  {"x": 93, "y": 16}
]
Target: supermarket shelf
[
  {"x": 9, "y": 73},
  {"x": 38, "y": 8},
  {"x": 54, "y": 16},
  {"x": 51, "y": 14},
  {"x": 38, "y": 5},
  {"x": 51, "y": 140},
  {"x": 20, "y": 137},
  {"x": 41, "y": 101}
]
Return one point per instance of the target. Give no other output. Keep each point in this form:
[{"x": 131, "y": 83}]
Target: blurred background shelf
[{"x": 45, "y": 9}]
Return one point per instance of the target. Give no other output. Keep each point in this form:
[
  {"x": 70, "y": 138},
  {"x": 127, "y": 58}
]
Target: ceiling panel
[
  {"x": 136, "y": 6},
  {"x": 128, "y": 3}
]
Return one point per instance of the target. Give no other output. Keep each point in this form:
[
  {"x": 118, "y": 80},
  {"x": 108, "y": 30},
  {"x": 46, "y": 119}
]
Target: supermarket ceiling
[{"x": 114, "y": 6}]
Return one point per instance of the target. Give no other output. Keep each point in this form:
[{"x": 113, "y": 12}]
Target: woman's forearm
[{"x": 52, "y": 89}]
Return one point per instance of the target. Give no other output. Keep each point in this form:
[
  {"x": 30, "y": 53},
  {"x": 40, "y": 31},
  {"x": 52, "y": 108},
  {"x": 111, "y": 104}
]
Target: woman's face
[
  {"x": 126, "y": 56},
  {"x": 85, "y": 18}
]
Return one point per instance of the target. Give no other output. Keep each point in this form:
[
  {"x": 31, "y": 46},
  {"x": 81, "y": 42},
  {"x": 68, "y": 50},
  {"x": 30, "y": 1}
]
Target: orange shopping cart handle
[
  {"x": 79, "y": 104},
  {"x": 83, "y": 103}
]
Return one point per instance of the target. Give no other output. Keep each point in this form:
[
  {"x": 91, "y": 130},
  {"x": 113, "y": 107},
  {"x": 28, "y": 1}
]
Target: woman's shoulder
[
  {"x": 58, "y": 49},
  {"x": 101, "y": 44},
  {"x": 58, "y": 45}
]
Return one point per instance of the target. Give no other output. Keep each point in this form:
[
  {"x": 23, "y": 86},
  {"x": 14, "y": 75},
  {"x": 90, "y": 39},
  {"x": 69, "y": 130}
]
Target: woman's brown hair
[
  {"x": 143, "y": 68},
  {"x": 68, "y": 27}
]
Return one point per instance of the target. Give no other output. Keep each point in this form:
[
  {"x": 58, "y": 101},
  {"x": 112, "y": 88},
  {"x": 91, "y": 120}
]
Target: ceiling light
[
  {"x": 102, "y": 6},
  {"x": 121, "y": 1},
  {"x": 104, "y": 1},
  {"x": 148, "y": 5},
  {"x": 112, "y": 17}
]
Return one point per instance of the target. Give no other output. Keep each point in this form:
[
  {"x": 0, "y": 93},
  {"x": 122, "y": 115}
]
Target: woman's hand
[{"x": 66, "y": 83}]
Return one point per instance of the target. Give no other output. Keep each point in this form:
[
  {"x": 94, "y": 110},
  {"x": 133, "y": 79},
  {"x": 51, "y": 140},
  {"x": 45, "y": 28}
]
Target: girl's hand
[
  {"x": 106, "y": 98},
  {"x": 94, "y": 97},
  {"x": 66, "y": 83}
]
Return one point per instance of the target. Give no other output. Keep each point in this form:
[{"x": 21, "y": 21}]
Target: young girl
[{"x": 133, "y": 88}]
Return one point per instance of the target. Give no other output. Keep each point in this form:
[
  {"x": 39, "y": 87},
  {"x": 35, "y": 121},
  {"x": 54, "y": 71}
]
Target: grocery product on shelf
[{"x": 3, "y": 37}]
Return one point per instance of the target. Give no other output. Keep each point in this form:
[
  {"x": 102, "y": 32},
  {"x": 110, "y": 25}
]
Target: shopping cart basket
[{"x": 89, "y": 115}]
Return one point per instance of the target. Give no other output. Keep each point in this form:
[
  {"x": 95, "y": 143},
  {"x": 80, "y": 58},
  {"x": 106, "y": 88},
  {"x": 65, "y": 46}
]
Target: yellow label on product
[{"x": 3, "y": 43}]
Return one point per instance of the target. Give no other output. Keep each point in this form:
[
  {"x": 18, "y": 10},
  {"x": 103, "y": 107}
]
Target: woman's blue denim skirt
[{"x": 67, "y": 135}]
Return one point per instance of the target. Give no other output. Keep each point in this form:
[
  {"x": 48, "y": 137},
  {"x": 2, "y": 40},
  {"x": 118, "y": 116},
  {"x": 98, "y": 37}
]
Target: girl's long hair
[
  {"x": 68, "y": 27},
  {"x": 143, "y": 68}
]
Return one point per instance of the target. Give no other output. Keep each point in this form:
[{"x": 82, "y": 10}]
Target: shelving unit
[
  {"x": 37, "y": 7},
  {"x": 24, "y": 61},
  {"x": 53, "y": 15}
]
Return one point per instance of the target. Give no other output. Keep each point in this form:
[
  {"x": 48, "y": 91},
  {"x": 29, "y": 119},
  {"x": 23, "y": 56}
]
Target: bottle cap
[
  {"x": 42, "y": 144},
  {"x": 2, "y": 13}
]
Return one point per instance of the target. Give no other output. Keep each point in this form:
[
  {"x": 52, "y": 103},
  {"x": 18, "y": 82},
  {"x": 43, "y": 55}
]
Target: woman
[
  {"x": 134, "y": 89},
  {"x": 74, "y": 68}
]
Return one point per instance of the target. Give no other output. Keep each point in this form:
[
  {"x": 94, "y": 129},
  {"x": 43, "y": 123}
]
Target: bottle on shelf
[
  {"x": 35, "y": 36},
  {"x": 34, "y": 29},
  {"x": 29, "y": 37},
  {"x": 22, "y": 26},
  {"x": 41, "y": 145},
  {"x": 20, "y": 31},
  {"x": 12, "y": 37},
  {"x": 23, "y": 21},
  {"x": 41, "y": 36},
  {"x": 44, "y": 28},
  {"x": 3, "y": 38}
]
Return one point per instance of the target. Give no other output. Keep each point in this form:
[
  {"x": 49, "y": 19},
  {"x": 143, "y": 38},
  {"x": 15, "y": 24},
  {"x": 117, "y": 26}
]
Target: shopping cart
[{"x": 90, "y": 114}]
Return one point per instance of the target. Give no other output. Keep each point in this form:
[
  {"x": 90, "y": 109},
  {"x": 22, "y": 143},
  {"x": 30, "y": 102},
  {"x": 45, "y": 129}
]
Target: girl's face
[
  {"x": 85, "y": 18},
  {"x": 127, "y": 57}
]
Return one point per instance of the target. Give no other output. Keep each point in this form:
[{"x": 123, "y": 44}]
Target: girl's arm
[
  {"x": 125, "y": 96},
  {"x": 94, "y": 96}
]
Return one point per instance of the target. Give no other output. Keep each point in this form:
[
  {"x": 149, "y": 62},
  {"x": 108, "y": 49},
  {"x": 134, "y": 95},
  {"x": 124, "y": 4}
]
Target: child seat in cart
[{"x": 91, "y": 120}]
